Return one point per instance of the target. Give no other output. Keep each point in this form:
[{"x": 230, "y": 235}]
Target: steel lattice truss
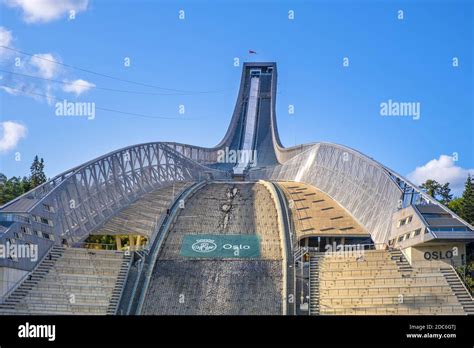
[
  {"x": 82, "y": 199},
  {"x": 370, "y": 192},
  {"x": 73, "y": 204}
]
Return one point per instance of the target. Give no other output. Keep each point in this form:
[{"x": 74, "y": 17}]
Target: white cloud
[
  {"x": 35, "y": 11},
  {"x": 42, "y": 65},
  {"x": 45, "y": 65},
  {"x": 6, "y": 39},
  {"x": 11, "y": 133},
  {"x": 78, "y": 86},
  {"x": 442, "y": 170}
]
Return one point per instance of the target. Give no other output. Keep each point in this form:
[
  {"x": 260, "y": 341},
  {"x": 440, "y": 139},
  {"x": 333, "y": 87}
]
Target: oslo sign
[{"x": 220, "y": 246}]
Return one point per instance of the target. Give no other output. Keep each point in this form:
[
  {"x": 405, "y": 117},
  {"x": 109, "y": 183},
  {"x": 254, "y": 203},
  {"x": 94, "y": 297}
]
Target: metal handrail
[
  {"x": 122, "y": 288},
  {"x": 151, "y": 249},
  {"x": 22, "y": 279},
  {"x": 106, "y": 245},
  {"x": 464, "y": 285},
  {"x": 162, "y": 231}
]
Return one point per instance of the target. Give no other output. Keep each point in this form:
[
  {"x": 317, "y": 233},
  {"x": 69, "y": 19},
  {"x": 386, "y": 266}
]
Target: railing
[
  {"x": 122, "y": 288},
  {"x": 390, "y": 299},
  {"x": 461, "y": 281},
  {"x": 22, "y": 279},
  {"x": 299, "y": 252},
  {"x": 329, "y": 283},
  {"x": 383, "y": 290},
  {"x": 451, "y": 309},
  {"x": 95, "y": 246},
  {"x": 147, "y": 261},
  {"x": 85, "y": 197}
]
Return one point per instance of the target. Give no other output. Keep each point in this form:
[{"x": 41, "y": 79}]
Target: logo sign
[
  {"x": 204, "y": 246},
  {"x": 220, "y": 246},
  {"x": 438, "y": 255}
]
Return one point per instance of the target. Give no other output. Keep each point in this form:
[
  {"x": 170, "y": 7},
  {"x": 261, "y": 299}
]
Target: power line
[
  {"x": 102, "y": 108},
  {"x": 102, "y": 75},
  {"x": 95, "y": 87}
]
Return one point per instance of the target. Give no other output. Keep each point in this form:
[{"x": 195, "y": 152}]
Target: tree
[
  {"x": 456, "y": 206},
  {"x": 26, "y": 184},
  {"x": 467, "y": 206},
  {"x": 445, "y": 194},
  {"x": 10, "y": 188},
  {"x": 431, "y": 187},
  {"x": 37, "y": 172}
]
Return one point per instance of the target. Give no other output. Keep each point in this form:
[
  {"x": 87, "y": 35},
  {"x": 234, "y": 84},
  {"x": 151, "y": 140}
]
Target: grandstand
[{"x": 314, "y": 229}]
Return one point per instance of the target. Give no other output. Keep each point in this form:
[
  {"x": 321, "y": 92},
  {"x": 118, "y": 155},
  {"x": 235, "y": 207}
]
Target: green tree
[
  {"x": 26, "y": 184},
  {"x": 456, "y": 205},
  {"x": 10, "y": 188},
  {"x": 467, "y": 204},
  {"x": 444, "y": 192},
  {"x": 37, "y": 172},
  {"x": 431, "y": 187}
]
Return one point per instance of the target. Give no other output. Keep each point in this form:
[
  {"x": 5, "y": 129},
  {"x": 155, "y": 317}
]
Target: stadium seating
[
  {"x": 374, "y": 283},
  {"x": 315, "y": 213},
  {"x": 71, "y": 281},
  {"x": 141, "y": 217}
]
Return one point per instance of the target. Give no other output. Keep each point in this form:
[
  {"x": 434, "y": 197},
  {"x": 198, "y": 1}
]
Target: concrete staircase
[
  {"x": 32, "y": 280},
  {"x": 403, "y": 265},
  {"x": 119, "y": 285},
  {"x": 378, "y": 282},
  {"x": 71, "y": 281},
  {"x": 314, "y": 284},
  {"x": 462, "y": 294}
]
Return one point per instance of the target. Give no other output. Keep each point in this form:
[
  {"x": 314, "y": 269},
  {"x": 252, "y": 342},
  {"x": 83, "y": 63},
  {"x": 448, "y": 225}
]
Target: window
[
  {"x": 48, "y": 208},
  {"x": 42, "y": 220},
  {"x": 25, "y": 230},
  {"x": 434, "y": 215},
  {"x": 38, "y": 233},
  {"x": 400, "y": 238},
  {"x": 405, "y": 221},
  {"x": 449, "y": 229},
  {"x": 417, "y": 232}
]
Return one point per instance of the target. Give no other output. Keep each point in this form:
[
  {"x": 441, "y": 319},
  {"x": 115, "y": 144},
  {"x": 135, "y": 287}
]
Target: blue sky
[{"x": 408, "y": 60}]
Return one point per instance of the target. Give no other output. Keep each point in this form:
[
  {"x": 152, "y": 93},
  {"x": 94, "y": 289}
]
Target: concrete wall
[
  {"x": 437, "y": 254},
  {"x": 9, "y": 277}
]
